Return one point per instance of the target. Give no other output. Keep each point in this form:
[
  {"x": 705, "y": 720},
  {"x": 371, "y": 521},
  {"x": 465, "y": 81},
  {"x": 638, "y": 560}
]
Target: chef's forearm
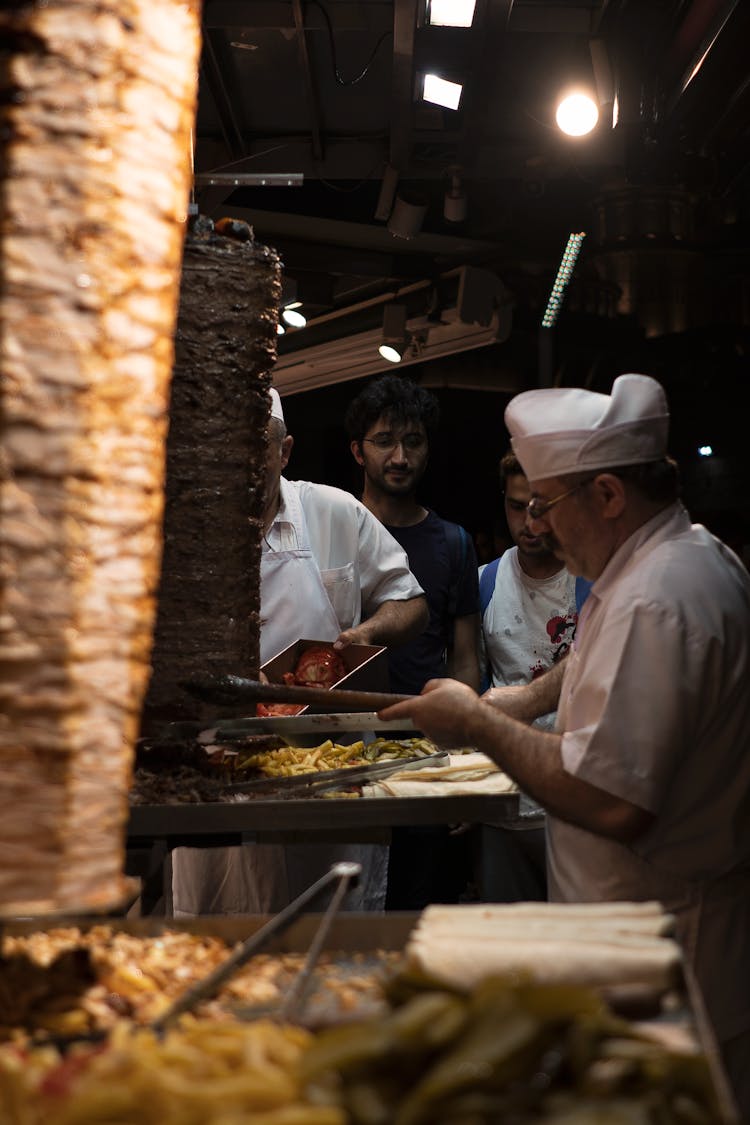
[
  {"x": 452, "y": 715},
  {"x": 463, "y": 662},
  {"x": 392, "y": 623},
  {"x": 533, "y": 758}
]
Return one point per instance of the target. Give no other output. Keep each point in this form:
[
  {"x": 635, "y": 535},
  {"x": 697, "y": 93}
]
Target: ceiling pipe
[{"x": 696, "y": 38}]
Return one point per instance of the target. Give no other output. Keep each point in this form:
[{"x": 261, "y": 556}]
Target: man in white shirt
[
  {"x": 646, "y": 779},
  {"x": 528, "y": 623},
  {"x": 331, "y": 572},
  {"x": 529, "y": 615},
  {"x": 329, "y": 569}
]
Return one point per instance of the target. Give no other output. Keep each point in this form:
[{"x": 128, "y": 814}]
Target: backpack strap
[
  {"x": 457, "y": 540},
  {"x": 582, "y": 592},
  {"x": 487, "y": 581}
]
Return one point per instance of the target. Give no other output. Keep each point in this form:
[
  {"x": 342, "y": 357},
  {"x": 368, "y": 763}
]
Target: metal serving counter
[
  {"x": 153, "y": 830},
  {"x": 355, "y": 817}
]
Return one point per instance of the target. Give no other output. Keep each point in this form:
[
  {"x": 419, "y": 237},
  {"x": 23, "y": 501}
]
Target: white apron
[
  {"x": 263, "y": 878},
  {"x": 293, "y": 601}
]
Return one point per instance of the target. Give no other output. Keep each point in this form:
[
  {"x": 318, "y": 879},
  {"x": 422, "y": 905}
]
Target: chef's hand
[
  {"x": 443, "y": 711},
  {"x": 513, "y": 700},
  {"x": 349, "y": 637}
]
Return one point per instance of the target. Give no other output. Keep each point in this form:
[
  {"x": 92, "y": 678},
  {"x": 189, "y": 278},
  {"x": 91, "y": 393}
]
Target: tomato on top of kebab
[{"x": 318, "y": 666}]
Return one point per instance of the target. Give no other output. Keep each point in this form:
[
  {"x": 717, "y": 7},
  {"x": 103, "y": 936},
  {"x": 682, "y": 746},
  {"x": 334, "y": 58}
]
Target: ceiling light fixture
[
  {"x": 564, "y": 273},
  {"x": 440, "y": 91},
  {"x": 293, "y": 317},
  {"x": 395, "y": 337},
  {"x": 450, "y": 13},
  {"x": 407, "y": 215},
  {"x": 577, "y": 114},
  {"x": 392, "y": 353},
  {"x": 454, "y": 202}
]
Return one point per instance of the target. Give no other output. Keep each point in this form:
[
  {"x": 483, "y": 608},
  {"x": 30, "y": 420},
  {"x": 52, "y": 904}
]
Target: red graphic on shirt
[
  {"x": 557, "y": 627},
  {"x": 560, "y": 631}
]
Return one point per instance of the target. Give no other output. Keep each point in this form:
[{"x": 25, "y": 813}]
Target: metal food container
[{"x": 366, "y": 667}]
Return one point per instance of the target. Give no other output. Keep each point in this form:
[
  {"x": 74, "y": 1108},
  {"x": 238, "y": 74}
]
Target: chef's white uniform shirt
[
  {"x": 326, "y": 563},
  {"x": 655, "y": 709},
  {"x": 359, "y": 562}
]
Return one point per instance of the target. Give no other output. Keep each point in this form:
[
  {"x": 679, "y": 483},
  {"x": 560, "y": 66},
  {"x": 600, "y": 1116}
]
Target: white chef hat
[
  {"x": 559, "y": 430},
  {"x": 276, "y": 411}
]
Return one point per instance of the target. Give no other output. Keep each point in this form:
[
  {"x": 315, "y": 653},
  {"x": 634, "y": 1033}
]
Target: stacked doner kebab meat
[{"x": 96, "y": 109}]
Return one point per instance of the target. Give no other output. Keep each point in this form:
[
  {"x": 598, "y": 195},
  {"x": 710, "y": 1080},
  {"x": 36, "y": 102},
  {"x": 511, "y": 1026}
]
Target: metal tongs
[
  {"x": 340, "y": 873},
  {"x": 309, "y": 784}
]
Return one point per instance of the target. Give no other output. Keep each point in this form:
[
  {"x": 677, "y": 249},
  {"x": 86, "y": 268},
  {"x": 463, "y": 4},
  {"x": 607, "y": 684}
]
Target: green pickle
[{"x": 508, "y": 1052}]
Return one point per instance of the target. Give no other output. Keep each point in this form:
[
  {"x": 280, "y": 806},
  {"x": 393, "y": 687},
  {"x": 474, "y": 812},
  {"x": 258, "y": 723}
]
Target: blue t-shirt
[{"x": 444, "y": 575}]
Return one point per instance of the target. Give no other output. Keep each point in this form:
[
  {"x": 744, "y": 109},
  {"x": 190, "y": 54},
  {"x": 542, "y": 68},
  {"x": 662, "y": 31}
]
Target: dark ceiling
[{"x": 327, "y": 92}]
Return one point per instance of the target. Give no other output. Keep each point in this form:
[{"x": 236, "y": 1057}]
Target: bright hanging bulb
[
  {"x": 280, "y": 329},
  {"x": 577, "y": 114},
  {"x": 391, "y": 353}
]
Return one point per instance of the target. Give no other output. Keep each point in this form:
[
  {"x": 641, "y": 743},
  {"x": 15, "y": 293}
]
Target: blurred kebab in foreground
[{"x": 97, "y": 102}]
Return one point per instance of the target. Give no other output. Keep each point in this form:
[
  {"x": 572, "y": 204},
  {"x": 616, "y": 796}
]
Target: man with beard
[
  {"x": 390, "y": 424},
  {"x": 528, "y": 605}
]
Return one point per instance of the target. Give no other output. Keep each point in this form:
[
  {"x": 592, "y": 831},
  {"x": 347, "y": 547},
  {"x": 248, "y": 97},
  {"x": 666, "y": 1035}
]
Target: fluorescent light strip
[
  {"x": 440, "y": 91},
  {"x": 564, "y": 273},
  {"x": 450, "y": 13}
]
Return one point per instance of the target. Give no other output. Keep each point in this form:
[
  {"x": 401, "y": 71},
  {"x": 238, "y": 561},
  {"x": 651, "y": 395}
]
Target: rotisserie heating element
[{"x": 96, "y": 105}]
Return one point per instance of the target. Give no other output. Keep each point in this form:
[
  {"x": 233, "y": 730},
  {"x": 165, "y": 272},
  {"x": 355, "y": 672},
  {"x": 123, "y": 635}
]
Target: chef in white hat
[
  {"x": 646, "y": 778},
  {"x": 330, "y": 571}
]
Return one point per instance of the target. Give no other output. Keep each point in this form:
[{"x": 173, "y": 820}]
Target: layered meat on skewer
[{"x": 97, "y": 102}]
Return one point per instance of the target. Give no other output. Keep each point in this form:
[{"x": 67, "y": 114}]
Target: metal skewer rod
[
  {"x": 210, "y": 985},
  {"x": 230, "y": 689},
  {"x": 294, "y": 1001}
]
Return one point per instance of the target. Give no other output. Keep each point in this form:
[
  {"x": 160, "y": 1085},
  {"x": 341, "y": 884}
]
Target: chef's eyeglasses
[
  {"x": 537, "y": 509},
  {"x": 386, "y": 442}
]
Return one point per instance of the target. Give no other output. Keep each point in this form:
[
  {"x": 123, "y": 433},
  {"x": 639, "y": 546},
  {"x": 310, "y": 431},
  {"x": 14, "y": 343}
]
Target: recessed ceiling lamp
[
  {"x": 395, "y": 337},
  {"x": 440, "y": 91},
  {"x": 450, "y": 13},
  {"x": 293, "y": 317},
  {"x": 577, "y": 114}
]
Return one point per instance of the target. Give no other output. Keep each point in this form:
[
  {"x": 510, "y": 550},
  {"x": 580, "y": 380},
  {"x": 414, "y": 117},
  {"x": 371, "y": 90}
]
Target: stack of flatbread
[
  {"x": 597, "y": 944},
  {"x": 467, "y": 774}
]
